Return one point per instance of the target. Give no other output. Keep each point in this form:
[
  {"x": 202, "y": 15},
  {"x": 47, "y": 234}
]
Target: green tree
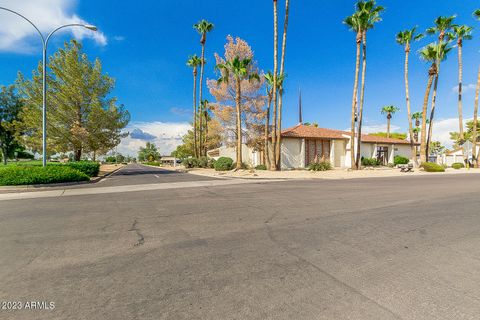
[
  {"x": 194, "y": 62},
  {"x": 10, "y": 107},
  {"x": 389, "y": 111},
  {"x": 148, "y": 153},
  {"x": 82, "y": 117},
  {"x": 241, "y": 70},
  {"x": 203, "y": 27},
  {"x": 460, "y": 33},
  {"x": 436, "y": 148},
  {"x": 405, "y": 38}
]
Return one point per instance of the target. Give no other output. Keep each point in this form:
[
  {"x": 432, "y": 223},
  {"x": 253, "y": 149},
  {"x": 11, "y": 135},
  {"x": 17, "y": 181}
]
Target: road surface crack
[{"x": 141, "y": 238}]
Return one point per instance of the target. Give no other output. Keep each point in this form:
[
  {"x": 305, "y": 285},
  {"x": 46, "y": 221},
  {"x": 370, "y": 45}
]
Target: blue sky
[{"x": 145, "y": 46}]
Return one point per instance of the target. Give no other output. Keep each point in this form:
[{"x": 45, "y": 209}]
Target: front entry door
[
  {"x": 382, "y": 155},
  {"x": 316, "y": 150}
]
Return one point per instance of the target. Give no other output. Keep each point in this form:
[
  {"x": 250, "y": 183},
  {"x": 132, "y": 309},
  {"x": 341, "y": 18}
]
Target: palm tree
[
  {"x": 275, "y": 79},
  {"x": 475, "y": 121},
  {"x": 202, "y": 27},
  {"x": 417, "y": 116},
  {"x": 405, "y": 38},
  {"x": 389, "y": 111},
  {"x": 282, "y": 76},
  {"x": 443, "y": 25},
  {"x": 240, "y": 69},
  {"x": 460, "y": 33},
  {"x": 193, "y": 62},
  {"x": 366, "y": 15},
  {"x": 269, "y": 88}
]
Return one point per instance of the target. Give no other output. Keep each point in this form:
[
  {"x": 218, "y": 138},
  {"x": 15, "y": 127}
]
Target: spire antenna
[{"x": 300, "y": 116}]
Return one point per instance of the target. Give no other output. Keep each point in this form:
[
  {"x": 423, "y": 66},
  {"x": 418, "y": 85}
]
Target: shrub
[
  {"x": 202, "y": 162},
  {"x": 400, "y": 160},
  {"x": 370, "y": 162},
  {"x": 243, "y": 166},
  {"x": 211, "y": 163},
  {"x": 22, "y": 175},
  {"x": 432, "y": 167},
  {"x": 320, "y": 166},
  {"x": 458, "y": 165},
  {"x": 90, "y": 168},
  {"x": 261, "y": 167},
  {"x": 223, "y": 164},
  {"x": 190, "y": 163},
  {"x": 154, "y": 163},
  {"x": 110, "y": 159}
]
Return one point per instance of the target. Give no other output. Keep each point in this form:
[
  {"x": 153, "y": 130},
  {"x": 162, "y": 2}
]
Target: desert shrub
[
  {"x": 400, "y": 160},
  {"x": 223, "y": 164},
  {"x": 153, "y": 163},
  {"x": 110, "y": 159},
  {"x": 22, "y": 175},
  {"x": 261, "y": 167},
  {"x": 458, "y": 165},
  {"x": 243, "y": 166},
  {"x": 90, "y": 168},
  {"x": 432, "y": 167},
  {"x": 211, "y": 163},
  {"x": 202, "y": 162},
  {"x": 320, "y": 166},
  {"x": 190, "y": 163},
  {"x": 370, "y": 162}
]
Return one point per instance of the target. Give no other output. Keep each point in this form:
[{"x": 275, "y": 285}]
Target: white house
[
  {"x": 457, "y": 156},
  {"x": 250, "y": 156},
  {"x": 302, "y": 144}
]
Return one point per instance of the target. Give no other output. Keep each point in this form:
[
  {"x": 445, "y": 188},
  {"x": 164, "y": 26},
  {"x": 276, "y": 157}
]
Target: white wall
[{"x": 293, "y": 154}]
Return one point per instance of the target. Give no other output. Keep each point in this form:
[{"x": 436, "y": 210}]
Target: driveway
[{"x": 390, "y": 248}]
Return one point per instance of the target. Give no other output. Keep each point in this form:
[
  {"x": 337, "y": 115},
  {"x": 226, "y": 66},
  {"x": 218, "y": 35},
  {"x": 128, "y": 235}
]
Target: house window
[{"x": 316, "y": 150}]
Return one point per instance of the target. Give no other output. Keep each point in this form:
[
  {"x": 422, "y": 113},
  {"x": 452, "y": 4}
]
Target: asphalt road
[{"x": 390, "y": 248}]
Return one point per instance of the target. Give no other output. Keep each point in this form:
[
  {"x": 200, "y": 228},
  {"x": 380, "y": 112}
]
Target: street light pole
[{"x": 44, "y": 71}]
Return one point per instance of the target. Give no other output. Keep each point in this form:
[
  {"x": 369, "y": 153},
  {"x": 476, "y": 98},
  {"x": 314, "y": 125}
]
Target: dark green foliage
[
  {"x": 370, "y": 162},
  {"x": 203, "y": 162},
  {"x": 400, "y": 160},
  {"x": 223, "y": 164},
  {"x": 190, "y": 163},
  {"x": 261, "y": 167},
  {"x": 111, "y": 159},
  {"x": 320, "y": 166},
  {"x": 458, "y": 165},
  {"x": 90, "y": 168},
  {"x": 23, "y": 175},
  {"x": 432, "y": 167},
  {"x": 211, "y": 163}
]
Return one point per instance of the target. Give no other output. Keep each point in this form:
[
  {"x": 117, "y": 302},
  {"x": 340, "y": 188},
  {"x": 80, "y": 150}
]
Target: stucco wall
[{"x": 292, "y": 154}]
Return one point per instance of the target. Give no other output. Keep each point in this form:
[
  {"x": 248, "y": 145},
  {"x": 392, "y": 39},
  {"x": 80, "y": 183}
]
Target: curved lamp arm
[
  {"x": 90, "y": 27},
  {"x": 25, "y": 18}
]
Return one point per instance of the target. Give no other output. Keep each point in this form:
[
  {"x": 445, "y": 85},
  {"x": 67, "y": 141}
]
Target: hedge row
[{"x": 23, "y": 175}]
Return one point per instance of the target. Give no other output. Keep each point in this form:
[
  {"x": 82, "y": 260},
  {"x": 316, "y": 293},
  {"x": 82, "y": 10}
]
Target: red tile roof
[{"x": 311, "y": 132}]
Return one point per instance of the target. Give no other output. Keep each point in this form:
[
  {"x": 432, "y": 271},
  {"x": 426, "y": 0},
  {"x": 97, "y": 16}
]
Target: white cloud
[
  {"x": 167, "y": 136},
  {"x": 119, "y": 38},
  {"x": 465, "y": 88},
  {"x": 378, "y": 128},
  {"x": 18, "y": 35},
  {"x": 442, "y": 129}
]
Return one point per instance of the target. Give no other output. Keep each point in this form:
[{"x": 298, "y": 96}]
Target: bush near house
[
  {"x": 261, "y": 167},
  {"x": 370, "y": 162},
  {"x": 400, "y": 160},
  {"x": 154, "y": 163},
  {"x": 189, "y": 163},
  {"x": 90, "y": 168},
  {"x": 432, "y": 167},
  {"x": 223, "y": 164},
  {"x": 320, "y": 166},
  {"x": 458, "y": 165},
  {"x": 23, "y": 175}
]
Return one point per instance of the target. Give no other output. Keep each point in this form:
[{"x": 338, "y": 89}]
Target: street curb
[{"x": 55, "y": 185}]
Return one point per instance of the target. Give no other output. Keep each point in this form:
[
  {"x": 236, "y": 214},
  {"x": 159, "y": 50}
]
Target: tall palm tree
[
  {"x": 443, "y": 25},
  {"x": 282, "y": 75},
  {"x": 193, "y": 62},
  {"x": 475, "y": 122},
  {"x": 203, "y": 27},
  {"x": 369, "y": 15},
  {"x": 441, "y": 54},
  {"x": 241, "y": 70},
  {"x": 354, "y": 25},
  {"x": 405, "y": 38},
  {"x": 460, "y": 33},
  {"x": 389, "y": 111},
  {"x": 275, "y": 79}
]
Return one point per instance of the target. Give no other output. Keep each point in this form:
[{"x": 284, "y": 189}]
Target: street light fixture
[{"x": 44, "y": 71}]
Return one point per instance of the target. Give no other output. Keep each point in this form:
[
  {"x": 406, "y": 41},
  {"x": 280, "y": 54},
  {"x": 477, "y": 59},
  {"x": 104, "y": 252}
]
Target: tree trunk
[
  {"x": 239, "y": 123},
  {"x": 267, "y": 127},
  {"x": 205, "y": 138},
  {"x": 475, "y": 123},
  {"x": 423, "y": 137},
  {"x": 280, "y": 100},
  {"x": 354, "y": 101},
  {"x": 432, "y": 113},
  {"x": 388, "y": 127},
  {"x": 195, "y": 147},
  {"x": 409, "y": 109},
  {"x": 94, "y": 156},
  {"x": 78, "y": 154},
  {"x": 274, "y": 89},
  {"x": 362, "y": 99},
  {"x": 4, "y": 156},
  {"x": 460, "y": 85},
  {"x": 200, "y": 127}
]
